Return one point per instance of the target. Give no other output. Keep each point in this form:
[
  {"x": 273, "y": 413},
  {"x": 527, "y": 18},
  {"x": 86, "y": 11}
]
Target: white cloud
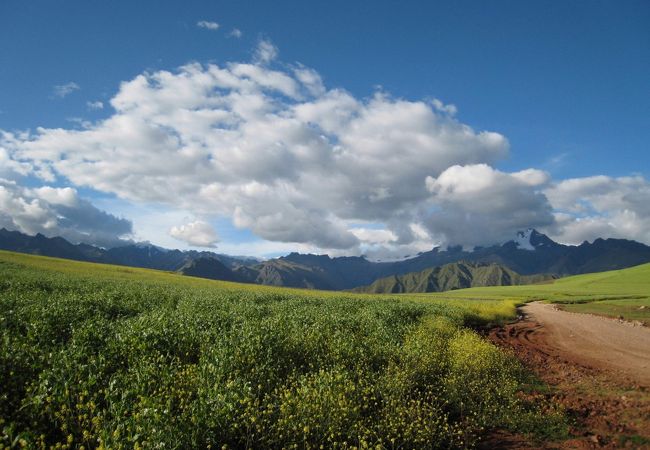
[
  {"x": 10, "y": 168},
  {"x": 63, "y": 90},
  {"x": 197, "y": 233},
  {"x": 95, "y": 105},
  {"x": 236, "y": 33},
  {"x": 264, "y": 249},
  {"x": 80, "y": 122},
  {"x": 374, "y": 236},
  {"x": 208, "y": 25},
  {"x": 265, "y": 52},
  {"x": 57, "y": 196},
  {"x": 59, "y": 212},
  {"x": 275, "y": 151},
  {"x": 532, "y": 177},
  {"x": 601, "y": 206},
  {"x": 478, "y": 205},
  {"x": 280, "y": 154},
  {"x": 310, "y": 79},
  {"x": 440, "y": 106}
]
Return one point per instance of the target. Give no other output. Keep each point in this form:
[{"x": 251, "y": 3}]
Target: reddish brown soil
[{"x": 596, "y": 371}]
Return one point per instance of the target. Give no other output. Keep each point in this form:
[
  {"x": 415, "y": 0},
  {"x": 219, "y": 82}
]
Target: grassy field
[
  {"x": 98, "y": 356},
  {"x": 618, "y": 293}
]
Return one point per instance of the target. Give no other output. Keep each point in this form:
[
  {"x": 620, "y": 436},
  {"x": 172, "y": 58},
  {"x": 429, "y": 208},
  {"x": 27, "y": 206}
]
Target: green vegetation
[
  {"x": 98, "y": 356},
  {"x": 635, "y": 441},
  {"x": 617, "y": 293},
  {"x": 458, "y": 275},
  {"x": 634, "y": 309}
]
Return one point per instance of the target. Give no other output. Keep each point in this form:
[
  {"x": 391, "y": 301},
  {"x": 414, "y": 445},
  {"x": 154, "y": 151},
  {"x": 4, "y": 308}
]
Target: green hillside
[
  {"x": 106, "y": 356},
  {"x": 449, "y": 277},
  {"x": 278, "y": 272},
  {"x": 617, "y": 293},
  {"x": 208, "y": 268}
]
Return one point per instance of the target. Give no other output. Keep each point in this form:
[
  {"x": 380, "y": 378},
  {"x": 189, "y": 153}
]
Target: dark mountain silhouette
[
  {"x": 41, "y": 245},
  {"x": 208, "y": 267},
  {"x": 134, "y": 255}
]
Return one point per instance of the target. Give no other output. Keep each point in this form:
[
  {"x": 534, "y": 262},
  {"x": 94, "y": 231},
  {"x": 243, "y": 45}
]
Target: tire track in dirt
[{"x": 598, "y": 370}]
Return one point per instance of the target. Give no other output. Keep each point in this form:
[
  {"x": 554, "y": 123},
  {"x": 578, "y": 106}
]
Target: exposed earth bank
[{"x": 598, "y": 370}]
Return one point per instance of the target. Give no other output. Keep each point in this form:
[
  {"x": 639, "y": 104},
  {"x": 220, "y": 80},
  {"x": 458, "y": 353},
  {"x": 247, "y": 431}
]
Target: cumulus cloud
[
  {"x": 10, "y": 168},
  {"x": 374, "y": 235},
  {"x": 208, "y": 25},
  {"x": 310, "y": 79},
  {"x": 601, "y": 206},
  {"x": 59, "y": 212},
  {"x": 197, "y": 233},
  {"x": 265, "y": 52},
  {"x": 236, "y": 33},
  {"x": 440, "y": 106},
  {"x": 294, "y": 161},
  {"x": 274, "y": 150},
  {"x": 63, "y": 90},
  {"x": 477, "y": 204}
]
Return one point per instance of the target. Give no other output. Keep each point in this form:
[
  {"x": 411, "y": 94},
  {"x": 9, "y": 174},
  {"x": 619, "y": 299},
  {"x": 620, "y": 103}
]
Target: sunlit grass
[
  {"x": 112, "y": 357},
  {"x": 618, "y": 293}
]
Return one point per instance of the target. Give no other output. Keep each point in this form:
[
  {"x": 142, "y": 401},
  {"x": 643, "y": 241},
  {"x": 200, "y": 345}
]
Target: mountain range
[
  {"x": 135, "y": 255},
  {"x": 528, "y": 253}
]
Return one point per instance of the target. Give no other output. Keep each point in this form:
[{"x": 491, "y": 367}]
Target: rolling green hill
[
  {"x": 618, "y": 293},
  {"x": 452, "y": 276}
]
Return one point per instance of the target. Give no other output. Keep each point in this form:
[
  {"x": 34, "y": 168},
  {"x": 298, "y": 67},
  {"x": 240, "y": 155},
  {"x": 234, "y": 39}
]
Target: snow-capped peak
[
  {"x": 146, "y": 245},
  {"x": 522, "y": 239}
]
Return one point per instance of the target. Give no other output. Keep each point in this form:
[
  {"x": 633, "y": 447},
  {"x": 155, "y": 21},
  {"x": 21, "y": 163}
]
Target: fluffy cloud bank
[
  {"x": 592, "y": 207},
  {"x": 197, "y": 233},
  {"x": 59, "y": 212},
  {"x": 275, "y": 150},
  {"x": 477, "y": 204}
]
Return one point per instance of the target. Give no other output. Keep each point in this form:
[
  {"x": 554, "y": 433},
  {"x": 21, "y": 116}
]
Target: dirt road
[
  {"x": 599, "y": 342},
  {"x": 598, "y": 370}
]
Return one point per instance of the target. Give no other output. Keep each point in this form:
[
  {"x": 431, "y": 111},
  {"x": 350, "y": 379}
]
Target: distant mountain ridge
[
  {"x": 459, "y": 275},
  {"x": 134, "y": 255},
  {"x": 528, "y": 253},
  {"x": 211, "y": 268}
]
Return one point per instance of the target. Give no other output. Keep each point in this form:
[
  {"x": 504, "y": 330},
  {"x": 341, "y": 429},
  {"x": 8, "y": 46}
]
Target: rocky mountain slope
[
  {"x": 207, "y": 267},
  {"x": 458, "y": 275}
]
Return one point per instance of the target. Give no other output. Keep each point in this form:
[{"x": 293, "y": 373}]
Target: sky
[{"x": 380, "y": 128}]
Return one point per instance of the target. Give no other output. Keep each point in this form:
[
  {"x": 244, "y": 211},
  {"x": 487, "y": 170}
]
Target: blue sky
[{"x": 566, "y": 83}]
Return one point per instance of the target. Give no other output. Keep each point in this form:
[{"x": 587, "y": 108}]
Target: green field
[
  {"x": 98, "y": 356},
  {"x": 618, "y": 293}
]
